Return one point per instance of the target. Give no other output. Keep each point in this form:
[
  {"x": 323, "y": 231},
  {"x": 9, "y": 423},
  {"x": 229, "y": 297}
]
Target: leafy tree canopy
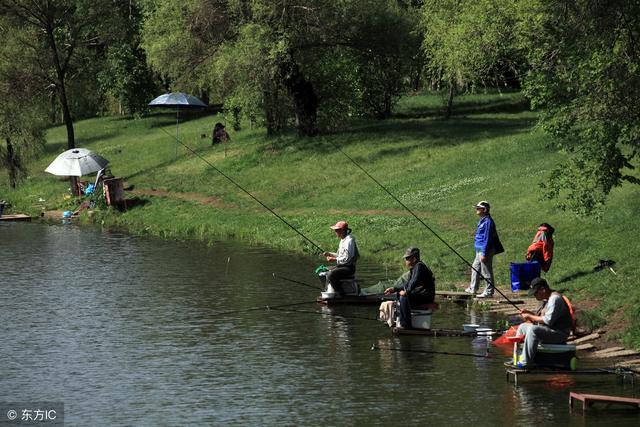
[{"x": 585, "y": 78}]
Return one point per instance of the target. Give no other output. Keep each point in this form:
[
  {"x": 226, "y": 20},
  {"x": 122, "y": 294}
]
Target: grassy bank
[{"x": 489, "y": 150}]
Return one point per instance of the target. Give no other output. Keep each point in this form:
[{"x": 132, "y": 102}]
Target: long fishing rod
[
  {"x": 260, "y": 307},
  {"x": 276, "y": 276},
  {"x": 422, "y": 222},
  {"x": 448, "y": 353},
  {"x": 322, "y": 314},
  {"x": 249, "y": 194}
]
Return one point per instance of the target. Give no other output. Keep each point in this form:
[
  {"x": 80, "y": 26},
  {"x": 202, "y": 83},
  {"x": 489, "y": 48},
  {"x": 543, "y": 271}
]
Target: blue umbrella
[{"x": 177, "y": 100}]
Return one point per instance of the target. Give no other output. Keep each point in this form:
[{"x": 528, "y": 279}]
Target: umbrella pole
[{"x": 177, "y": 126}]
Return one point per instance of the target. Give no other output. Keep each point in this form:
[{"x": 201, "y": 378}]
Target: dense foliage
[
  {"x": 315, "y": 64},
  {"x": 585, "y": 78}
]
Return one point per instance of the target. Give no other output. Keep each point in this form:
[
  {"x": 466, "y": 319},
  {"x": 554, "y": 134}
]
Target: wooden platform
[
  {"x": 589, "y": 399},
  {"x": 453, "y": 295},
  {"x": 16, "y": 217},
  {"x": 515, "y": 372},
  {"x": 433, "y": 332}
]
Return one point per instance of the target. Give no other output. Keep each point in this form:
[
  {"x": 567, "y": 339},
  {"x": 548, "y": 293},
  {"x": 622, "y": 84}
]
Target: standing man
[
  {"x": 419, "y": 290},
  {"x": 487, "y": 244},
  {"x": 552, "y": 326},
  {"x": 345, "y": 258}
]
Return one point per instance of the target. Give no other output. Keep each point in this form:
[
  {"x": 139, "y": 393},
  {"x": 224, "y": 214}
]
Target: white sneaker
[
  {"x": 484, "y": 295},
  {"x": 470, "y": 291}
]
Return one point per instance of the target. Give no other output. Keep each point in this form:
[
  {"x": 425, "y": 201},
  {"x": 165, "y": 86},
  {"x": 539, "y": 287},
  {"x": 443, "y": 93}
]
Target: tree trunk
[
  {"x": 66, "y": 115},
  {"x": 60, "y": 87},
  {"x": 12, "y": 164},
  {"x": 452, "y": 92},
  {"x": 304, "y": 97},
  {"x": 269, "y": 112}
]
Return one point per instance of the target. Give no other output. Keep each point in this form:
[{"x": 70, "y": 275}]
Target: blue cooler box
[{"x": 522, "y": 273}]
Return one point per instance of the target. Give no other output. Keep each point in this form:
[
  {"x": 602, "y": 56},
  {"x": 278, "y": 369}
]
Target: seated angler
[
  {"x": 552, "y": 326},
  {"x": 420, "y": 289},
  {"x": 345, "y": 258}
]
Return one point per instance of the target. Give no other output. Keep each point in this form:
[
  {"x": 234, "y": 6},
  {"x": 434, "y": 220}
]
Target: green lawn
[{"x": 490, "y": 149}]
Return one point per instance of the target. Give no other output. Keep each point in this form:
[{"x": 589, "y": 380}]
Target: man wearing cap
[
  {"x": 345, "y": 258},
  {"x": 418, "y": 290},
  {"x": 487, "y": 244},
  {"x": 552, "y": 326}
]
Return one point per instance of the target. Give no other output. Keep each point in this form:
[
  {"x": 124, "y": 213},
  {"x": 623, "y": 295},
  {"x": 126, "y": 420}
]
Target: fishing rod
[
  {"x": 322, "y": 314},
  {"x": 448, "y": 353},
  {"x": 247, "y": 192},
  {"x": 275, "y": 276},
  {"x": 422, "y": 222},
  {"x": 260, "y": 307}
]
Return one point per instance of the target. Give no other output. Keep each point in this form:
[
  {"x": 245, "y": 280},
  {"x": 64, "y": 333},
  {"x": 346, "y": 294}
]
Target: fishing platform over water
[
  {"x": 15, "y": 217},
  {"x": 375, "y": 299},
  {"x": 622, "y": 373}
]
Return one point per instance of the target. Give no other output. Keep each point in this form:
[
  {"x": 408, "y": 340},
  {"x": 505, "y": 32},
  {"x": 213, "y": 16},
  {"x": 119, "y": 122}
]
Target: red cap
[{"x": 339, "y": 225}]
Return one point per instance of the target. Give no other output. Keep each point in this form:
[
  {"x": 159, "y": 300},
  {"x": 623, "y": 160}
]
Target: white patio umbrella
[
  {"x": 177, "y": 100},
  {"x": 77, "y": 162}
]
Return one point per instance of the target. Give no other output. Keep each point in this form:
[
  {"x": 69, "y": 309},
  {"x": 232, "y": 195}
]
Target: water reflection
[{"x": 130, "y": 331}]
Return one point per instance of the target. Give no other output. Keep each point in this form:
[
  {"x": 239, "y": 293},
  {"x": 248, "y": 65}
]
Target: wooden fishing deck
[
  {"x": 589, "y": 399},
  {"x": 453, "y": 295},
  {"x": 16, "y": 217},
  {"x": 516, "y": 372},
  {"x": 378, "y": 298}
]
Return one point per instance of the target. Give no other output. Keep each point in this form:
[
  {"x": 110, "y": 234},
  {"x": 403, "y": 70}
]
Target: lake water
[{"x": 134, "y": 331}]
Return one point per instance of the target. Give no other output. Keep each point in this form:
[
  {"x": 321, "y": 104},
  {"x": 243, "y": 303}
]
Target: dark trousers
[
  {"x": 406, "y": 304},
  {"x": 338, "y": 274}
]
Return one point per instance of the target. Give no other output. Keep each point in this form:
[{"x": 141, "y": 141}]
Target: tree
[
  {"x": 124, "y": 75},
  {"x": 466, "y": 42},
  {"x": 292, "y": 59},
  {"x": 585, "y": 79},
  {"x": 60, "y": 37},
  {"x": 21, "y": 111}
]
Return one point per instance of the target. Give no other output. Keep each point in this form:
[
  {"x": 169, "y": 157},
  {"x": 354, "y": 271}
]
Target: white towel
[{"x": 386, "y": 312}]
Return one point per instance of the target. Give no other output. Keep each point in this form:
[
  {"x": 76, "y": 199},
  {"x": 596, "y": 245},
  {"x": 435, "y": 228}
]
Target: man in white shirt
[{"x": 345, "y": 258}]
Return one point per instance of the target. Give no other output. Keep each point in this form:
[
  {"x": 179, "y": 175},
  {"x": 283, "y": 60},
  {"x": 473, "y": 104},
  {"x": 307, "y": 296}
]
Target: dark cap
[
  {"x": 483, "y": 205},
  {"x": 412, "y": 252},
  {"x": 536, "y": 284}
]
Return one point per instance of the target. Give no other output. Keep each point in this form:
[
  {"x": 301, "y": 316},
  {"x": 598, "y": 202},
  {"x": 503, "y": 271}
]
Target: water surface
[{"x": 135, "y": 331}]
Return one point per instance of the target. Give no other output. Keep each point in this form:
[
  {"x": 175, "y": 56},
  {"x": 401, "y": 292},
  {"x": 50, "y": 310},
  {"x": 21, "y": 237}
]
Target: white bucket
[{"x": 421, "y": 319}]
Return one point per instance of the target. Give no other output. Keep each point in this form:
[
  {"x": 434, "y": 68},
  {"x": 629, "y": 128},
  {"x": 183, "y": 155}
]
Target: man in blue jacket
[{"x": 487, "y": 244}]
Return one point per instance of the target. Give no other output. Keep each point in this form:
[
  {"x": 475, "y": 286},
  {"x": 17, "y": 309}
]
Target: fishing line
[
  {"x": 421, "y": 222},
  {"x": 241, "y": 188},
  {"x": 275, "y": 276},
  {"x": 323, "y": 313},
  {"x": 260, "y": 307},
  {"x": 448, "y": 353}
]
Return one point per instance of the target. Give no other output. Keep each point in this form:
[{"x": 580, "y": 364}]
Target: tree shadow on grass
[
  {"x": 464, "y": 107},
  {"x": 411, "y": 134},
  {"x": 168, "y": 117},
  {"x": 60, "y": 146}
]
